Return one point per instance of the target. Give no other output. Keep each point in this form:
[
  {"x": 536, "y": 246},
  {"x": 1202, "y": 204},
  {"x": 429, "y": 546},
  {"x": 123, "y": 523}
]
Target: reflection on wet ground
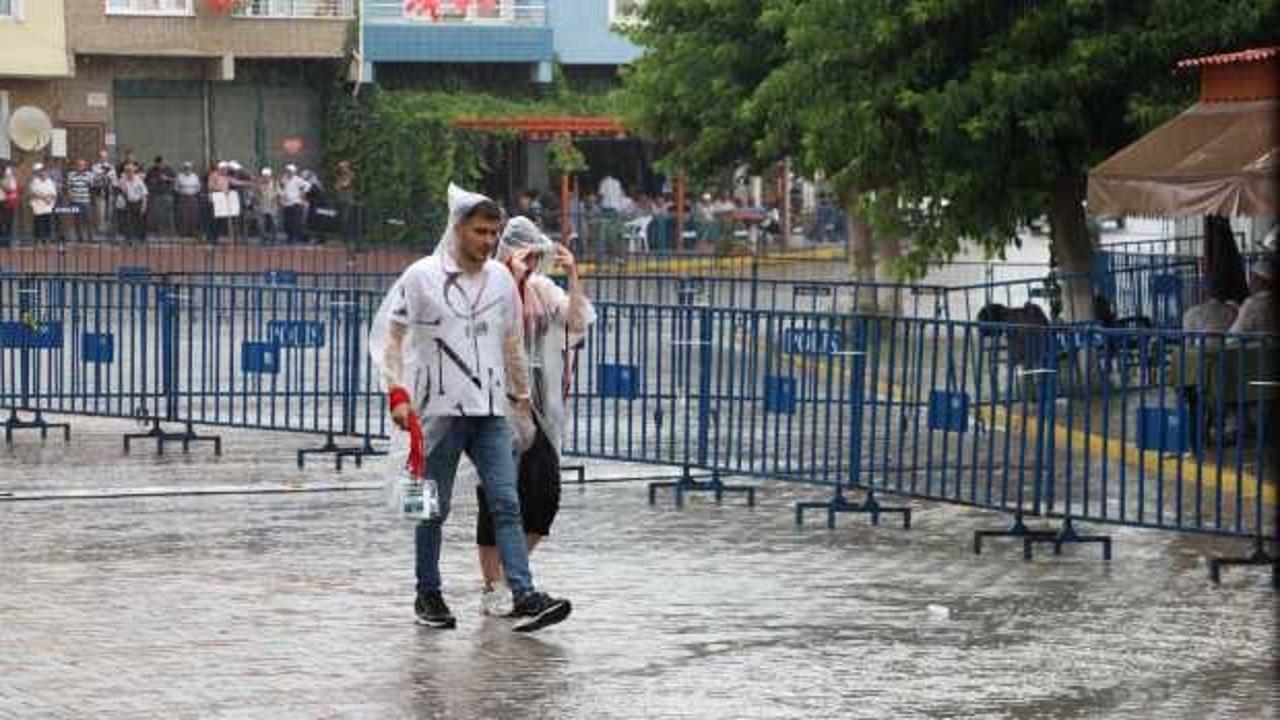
[{"x": 298, "y": 605}]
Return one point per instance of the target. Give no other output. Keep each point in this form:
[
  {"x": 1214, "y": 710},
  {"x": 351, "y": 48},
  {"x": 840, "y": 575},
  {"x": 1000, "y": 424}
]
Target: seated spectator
[{"x": 1258, "y": 310}]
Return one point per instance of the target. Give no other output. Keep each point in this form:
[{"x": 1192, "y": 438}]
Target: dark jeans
[
  {"x": 487, "y": 442},
  {"x": 82, "y": 221},
  {"x": 42, "y": 226},
  {"x": 6, "y": 224},
  {"x": 188, "y": 215},
  {"x": 293, "y": 216},
  {"x": 135, "y": 227},
  {"x": 267, "y": 227}
]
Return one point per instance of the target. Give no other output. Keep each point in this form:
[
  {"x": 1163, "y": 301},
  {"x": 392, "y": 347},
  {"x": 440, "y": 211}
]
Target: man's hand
[
  {"x": 400, "y": 415},
  {"x": 401, "y": 407}
]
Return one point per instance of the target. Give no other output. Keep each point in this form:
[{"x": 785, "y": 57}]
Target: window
[
  {"x": 625, "y": 12},
  {"x": 150, "y": 7},
  {"x": 10, "y": 9}
]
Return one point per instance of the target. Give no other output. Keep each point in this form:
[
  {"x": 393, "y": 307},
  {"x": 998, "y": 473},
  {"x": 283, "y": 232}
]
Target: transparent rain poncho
[
  {"x": 407, "y": 367},
  {"x": 555, "y": 323}
]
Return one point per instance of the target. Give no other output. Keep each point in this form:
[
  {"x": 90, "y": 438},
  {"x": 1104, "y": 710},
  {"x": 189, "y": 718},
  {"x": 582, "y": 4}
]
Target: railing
[
  {"x": 295, "y": 9},
  {"x": 1129, "y": 426},
  {"x": 1158, "y": 429},
  {"x": 477, "y": 12},
  {"x": 172, "y": 8}
]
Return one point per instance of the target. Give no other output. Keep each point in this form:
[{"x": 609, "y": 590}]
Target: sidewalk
[{"x": 299, "y": 606}]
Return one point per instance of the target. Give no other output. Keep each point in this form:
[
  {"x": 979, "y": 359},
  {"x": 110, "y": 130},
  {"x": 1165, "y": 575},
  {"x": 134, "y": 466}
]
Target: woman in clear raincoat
[{"x": 555, "y": 326}]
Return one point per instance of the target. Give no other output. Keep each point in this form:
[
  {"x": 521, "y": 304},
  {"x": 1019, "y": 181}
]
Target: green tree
[
  {"x": 691, "y": 88},
  {"x": 941, "y": 119}
]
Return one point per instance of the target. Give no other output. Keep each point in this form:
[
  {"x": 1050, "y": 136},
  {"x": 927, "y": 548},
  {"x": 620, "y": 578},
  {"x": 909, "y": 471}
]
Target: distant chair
[{"x": 636, "y": 233}]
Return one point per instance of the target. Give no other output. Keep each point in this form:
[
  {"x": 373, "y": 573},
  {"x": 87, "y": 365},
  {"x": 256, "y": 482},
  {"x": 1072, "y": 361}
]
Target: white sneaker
[{"x": 495, "y": 601}]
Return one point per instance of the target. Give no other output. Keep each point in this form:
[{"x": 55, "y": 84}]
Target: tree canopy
[{"x": 962, "y": 118}]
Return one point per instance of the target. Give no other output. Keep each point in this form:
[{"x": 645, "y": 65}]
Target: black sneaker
[
  {"x": 541, "y": 610},
  {"x": 432, "y": 612}
]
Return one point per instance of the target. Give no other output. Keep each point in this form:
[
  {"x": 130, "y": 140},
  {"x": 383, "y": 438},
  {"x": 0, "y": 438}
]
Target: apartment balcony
[
  {"x": 296, "y": 9},
  {"x": 451, "y": 31}
]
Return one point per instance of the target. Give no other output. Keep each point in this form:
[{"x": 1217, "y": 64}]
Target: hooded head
[
  {"x": 521, "y": 233},
  {"x": 473, "y": 218}
]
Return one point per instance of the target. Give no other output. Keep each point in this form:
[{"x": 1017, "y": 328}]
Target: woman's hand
[{"x": 564, "y": 258}]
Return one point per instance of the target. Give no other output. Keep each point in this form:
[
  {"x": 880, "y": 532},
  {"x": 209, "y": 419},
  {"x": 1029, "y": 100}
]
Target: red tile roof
[{"x": 1244, "y": 56}]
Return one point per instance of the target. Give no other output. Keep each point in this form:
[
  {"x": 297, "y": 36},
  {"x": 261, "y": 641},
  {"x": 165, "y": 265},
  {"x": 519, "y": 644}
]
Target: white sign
[
  {"x": 110, "y": 141},
  {"x": 97, "y": 100},
  {"x": 58, "y": 143},
  {"x": 225, "y": 204}
]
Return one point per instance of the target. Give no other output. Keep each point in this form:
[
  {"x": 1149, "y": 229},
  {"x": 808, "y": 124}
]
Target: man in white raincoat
[
  {"x": 448, "y": 341},
  {"x": 555, "y": 324}
]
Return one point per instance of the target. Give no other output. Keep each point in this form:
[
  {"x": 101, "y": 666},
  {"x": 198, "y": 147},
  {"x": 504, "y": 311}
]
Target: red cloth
[
  {"x": 396, "y": 396},
  {"x": 417, "y": 463}
]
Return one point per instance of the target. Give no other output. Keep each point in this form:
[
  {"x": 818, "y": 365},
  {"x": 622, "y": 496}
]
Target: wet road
[{"x": 298, "y": 605}]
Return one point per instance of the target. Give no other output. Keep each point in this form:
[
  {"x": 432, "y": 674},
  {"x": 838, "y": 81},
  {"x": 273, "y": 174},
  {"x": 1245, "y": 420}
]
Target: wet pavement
[{"x": 298, "y": 605}]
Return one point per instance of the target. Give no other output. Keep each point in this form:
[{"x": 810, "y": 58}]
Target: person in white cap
[
  {"x": 555, "y": 325},
  {"x": 1258, "y": 311},
  {"x": 43, "y": 193},
  {"x": 293, "y": 202},
  {"x": 267, "y": 201},
  {"x": 449, "y": 345}
]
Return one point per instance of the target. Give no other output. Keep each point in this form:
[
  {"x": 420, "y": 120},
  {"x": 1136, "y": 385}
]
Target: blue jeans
[{"x": 487, "y": 442}]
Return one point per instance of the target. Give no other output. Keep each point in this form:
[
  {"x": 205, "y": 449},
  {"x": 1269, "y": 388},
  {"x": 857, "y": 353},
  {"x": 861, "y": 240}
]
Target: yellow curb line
[{"x": 719, "y": 264}]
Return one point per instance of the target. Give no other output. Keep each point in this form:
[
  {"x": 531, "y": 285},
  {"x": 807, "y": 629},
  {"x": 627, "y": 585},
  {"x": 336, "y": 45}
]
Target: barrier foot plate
[
  {"x": 15, "y": 423},
  {"x": 162, "y": 437},
  {"x": 1259, "y": 557},
  {"x": 687, "y": 484},
  {"x": 339, "y": 452},
  {"x": 1019, "y": 529},
  {"x": 840, "y": 504},
  {"x": 1066, "y": 536},
  {"x": 579, "y": 470}
]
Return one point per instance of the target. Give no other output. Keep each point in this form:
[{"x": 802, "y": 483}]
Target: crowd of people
[
  {"x": 123, "y": 201},
  {"x": 637, "y": 221}
]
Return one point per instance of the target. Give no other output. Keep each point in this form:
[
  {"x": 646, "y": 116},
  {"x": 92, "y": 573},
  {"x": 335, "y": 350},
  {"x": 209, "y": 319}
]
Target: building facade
[
  {"x": 34, "y": 37},
  {"x": 183, "y": 79},
  {"x": 521, "y": 38},
  {"x": 502, "y": 46}
]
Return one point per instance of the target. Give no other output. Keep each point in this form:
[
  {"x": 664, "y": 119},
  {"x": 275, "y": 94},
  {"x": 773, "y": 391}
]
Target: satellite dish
[{"x": 30, "y": 128}]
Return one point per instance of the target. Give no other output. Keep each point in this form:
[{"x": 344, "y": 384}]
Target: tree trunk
[
  {"x": 889, "y": 249},
  {"x": 1072, "y": 247},
  {"x": 861, "y": 253}
]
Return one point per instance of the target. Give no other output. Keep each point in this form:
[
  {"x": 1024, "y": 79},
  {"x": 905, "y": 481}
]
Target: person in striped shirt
[{"x": 79, "y": 188}]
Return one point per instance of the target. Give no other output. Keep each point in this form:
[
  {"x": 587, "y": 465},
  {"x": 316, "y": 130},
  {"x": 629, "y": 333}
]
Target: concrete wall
[
  {"x": 36, "y": 44},
  {"x": 91, "y": 31}
]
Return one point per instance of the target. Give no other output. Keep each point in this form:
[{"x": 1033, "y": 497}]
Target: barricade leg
[
  {"x": 15, "y": 423},
  {"x": 840, "y": 504},
  {"x": 579, "y": 470},
  {"x": 1067, "y": 535},
  {"x": 1257, "y": 558},
  {"x": 687, "y": 483},
  {"x": 1019, "y": 529},
  {"x": 186, "y": 436},
  {"x": 331, "y": 447}
]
